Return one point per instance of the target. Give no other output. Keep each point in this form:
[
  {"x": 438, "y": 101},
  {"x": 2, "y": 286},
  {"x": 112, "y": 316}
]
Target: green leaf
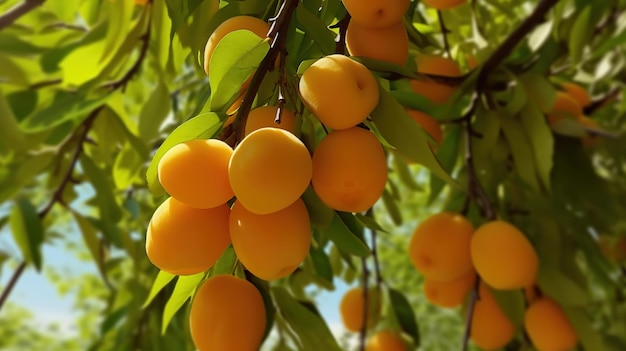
[
  {"x": 541, "y": 141},
  {"x": 27, "y": 231},
  {"x": 227, "y": 262},
  {"x": 270, "y": 311},
  {"x": 154, "y": 112},
  {"x": 65, "y": 107},
  {"x": 309, "y": 327},
  {"x": 162, "y": 279},
  {"x": 235, "y": 58},
  {"x": 316, "y": 29},
  {"x": 128, "y": 164},
  {"x": 448, "y": 154},
  {"x": 10, "y": 133},
  {"x": 588, "y": 336},
  {"x": 82, "y": 64},
  {"x": 409, "y": 139},
  {"x": 521, "y": 151},
  {"x": 392, "y": 207},
  {"x": 184, "y": 289},
  {"x": 561, "y": 288},
  {"x": 402, "y": 168},
  {"x": 122, "y": 12},
  {"x": 90, "y": 236},
  {"x": 109, "y": 211},
  {"x": 320, "y": 215},
  {"x": 112, "y": 319},
  {"x": 539, "y": 90},
  {"x": 345, "y": 239},
  {"x": 404, "y": 314},
  {"x": 22, "y": 173},
  {"x": 179, "y": 10},
  {"x": 370, "y": 222},
  {"x": 13, "y": 45},
  {"x": 161, "y": 29},
  {"x": 513, "y": 304},
  {"x": 203, "y": 126},
  {"x": 580, "y": 34},
  {"x": 321, "y": 262},
  {"x": 569, "y": 127},
  {"x": 539, "y": 36}
]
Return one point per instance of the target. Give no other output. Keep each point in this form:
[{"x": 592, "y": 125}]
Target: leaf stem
[{"x": 14, "y": 278}]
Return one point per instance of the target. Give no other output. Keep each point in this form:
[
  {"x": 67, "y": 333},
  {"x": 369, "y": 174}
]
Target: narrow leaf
[
  {"x": 345, "y": 239},
  {"x": 162, "y": 279},
  {"x": 409, "y": 139},
  {"x": 185, "y": 288},
  {"x": 404, "y": 314},
  {"x": 313, "y": 332},
  {"x": 27, "y": 231}
]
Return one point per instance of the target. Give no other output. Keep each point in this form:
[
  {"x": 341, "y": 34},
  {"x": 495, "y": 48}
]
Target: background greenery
[{"x": 90, "y": 89}]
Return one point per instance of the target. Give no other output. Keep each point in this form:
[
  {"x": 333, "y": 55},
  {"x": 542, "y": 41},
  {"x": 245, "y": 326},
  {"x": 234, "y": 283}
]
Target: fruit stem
[
  {"x": 18, "y": 11},
  {"x": 503, "y": 51},
  {"x": 444, "y": 32},
  {"x": 278, "y": 38}
]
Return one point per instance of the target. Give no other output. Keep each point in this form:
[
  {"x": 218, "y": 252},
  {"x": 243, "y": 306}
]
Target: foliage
[{"x": 93, "y": 93}]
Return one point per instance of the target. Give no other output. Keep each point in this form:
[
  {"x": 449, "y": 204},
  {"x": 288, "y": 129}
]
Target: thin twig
[
  {"x": 475, "y": 189},
  {"x": 57, "y": 196},
  {"x": 474, "y": 297},
  {"x": 503, "y": 51},
  {"x": 18, "y": 11},
  {"x": 444, "y": 32},
  {"x": 45, "y": 83},
  {"x": 599, "y": 102},
  {"x": 366, "y": 305},
  {"x": 374, "y": 234},
  {"x": 14, "y": 278}
]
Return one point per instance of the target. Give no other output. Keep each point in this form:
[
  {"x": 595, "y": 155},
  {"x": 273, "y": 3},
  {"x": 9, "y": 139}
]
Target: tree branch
[
  {"x": 599, "y": 102},
  {"x": 340, "y": 46},
  {"x": 18, "y": 11},
  {"x": 57, "y": 196},
  {"x": 278, "y": 38},
  {"x": 366, "y": 305},
  {"x": 14, "y": 278},
  {"x": 444, "y": 32},
  {"x": 470, "y": 313},
  {"x": 503, "y": 51}
]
